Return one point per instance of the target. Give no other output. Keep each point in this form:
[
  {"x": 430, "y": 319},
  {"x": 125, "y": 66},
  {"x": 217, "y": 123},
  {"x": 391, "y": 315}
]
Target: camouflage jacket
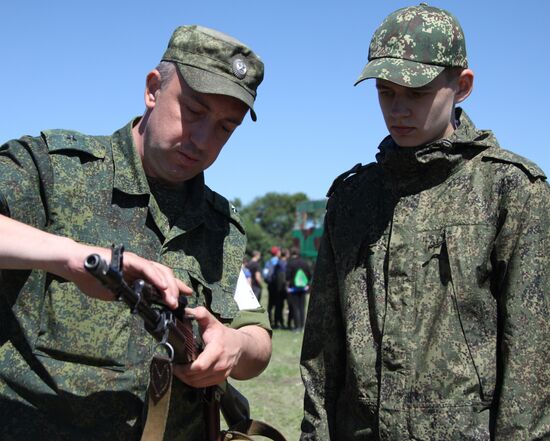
[
  {"x": 428, "y": 317},
  {"x": 76, "y": 368}
]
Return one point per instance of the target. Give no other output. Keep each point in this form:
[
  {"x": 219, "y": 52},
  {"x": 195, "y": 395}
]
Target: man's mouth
[
  {"x": 187, "y": 158},
  {"x": 402, "y": 130}
]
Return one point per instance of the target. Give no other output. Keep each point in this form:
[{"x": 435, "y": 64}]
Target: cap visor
[
  {"x": 403, "y": 72},
  {"x": 204, "y": 81}
]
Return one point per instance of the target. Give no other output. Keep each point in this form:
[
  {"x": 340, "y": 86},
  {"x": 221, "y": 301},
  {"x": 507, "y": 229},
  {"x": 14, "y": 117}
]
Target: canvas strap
[
  {"x": 159, "y": 392},
  {"x": 246, "y": 430},
  {"x": 160, "y": 389}
]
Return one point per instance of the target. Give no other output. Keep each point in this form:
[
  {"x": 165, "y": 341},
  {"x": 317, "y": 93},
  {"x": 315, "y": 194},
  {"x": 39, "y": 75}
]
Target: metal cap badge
[{"x": 239, "y": 68}]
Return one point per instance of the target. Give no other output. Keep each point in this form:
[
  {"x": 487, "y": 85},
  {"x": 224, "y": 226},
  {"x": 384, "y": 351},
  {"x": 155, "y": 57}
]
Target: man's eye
[
  {"x": 192, "y": 111},
  {"x": 227, "y": 129},
  {"x": 418, "y": 93}
]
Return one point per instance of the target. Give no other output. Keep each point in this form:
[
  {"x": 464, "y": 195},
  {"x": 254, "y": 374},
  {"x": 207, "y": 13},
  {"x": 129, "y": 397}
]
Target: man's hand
[
  {"x": 26, "y": 247},
  {"x": 240, "y": 353},
  {"x": 133, "y": 267}
]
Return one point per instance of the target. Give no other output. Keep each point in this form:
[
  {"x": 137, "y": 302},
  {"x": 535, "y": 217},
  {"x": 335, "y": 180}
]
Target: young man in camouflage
[
  {"x": 73, "y": 367},
  {"x": 428, "y": 317}
]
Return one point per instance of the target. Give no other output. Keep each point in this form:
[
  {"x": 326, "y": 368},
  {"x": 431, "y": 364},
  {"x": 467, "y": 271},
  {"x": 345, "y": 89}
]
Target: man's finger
[
  {"x": 199, "y": 374},
  {"x": 183, "y": 288},
  {"x": 203, "y": 317}
]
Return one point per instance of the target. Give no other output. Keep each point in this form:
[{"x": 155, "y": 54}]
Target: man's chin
[
  {"x": 405, "y": 143},
  {"x": 174, "y": 178}
]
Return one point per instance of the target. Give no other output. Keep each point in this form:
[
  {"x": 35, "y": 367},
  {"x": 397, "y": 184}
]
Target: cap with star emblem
[
  {"x": 414, "y": 45},
  {"x": 212, "y": 62}
]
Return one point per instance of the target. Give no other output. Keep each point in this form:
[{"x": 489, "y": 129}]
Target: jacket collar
[
  {"x": 130, "y": 178},
  {"x": 410, "y": 170}
]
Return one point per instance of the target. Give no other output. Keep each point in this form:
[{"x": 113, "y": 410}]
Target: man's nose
[
  {"x": 200, "y": 134},
  {"x": 400, "y": 106}
]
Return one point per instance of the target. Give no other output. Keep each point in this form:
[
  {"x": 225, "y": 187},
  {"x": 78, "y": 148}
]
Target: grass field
[{"x": 276, "y": 396}]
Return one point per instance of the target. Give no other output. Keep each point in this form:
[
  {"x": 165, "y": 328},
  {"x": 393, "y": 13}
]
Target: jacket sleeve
[
  {"x": 522, "y": 248},
  {"x": 21, "y": 186},
  {"x": 323, "y": 349}
]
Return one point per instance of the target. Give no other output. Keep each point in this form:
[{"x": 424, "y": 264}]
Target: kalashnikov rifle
[
  {"x": 171, "y": 328},
  {"x": 175, "y": 332}
]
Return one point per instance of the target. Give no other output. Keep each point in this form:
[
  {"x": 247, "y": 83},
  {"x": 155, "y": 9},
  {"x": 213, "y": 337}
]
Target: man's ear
[
  {"x": 152, "y": 86},
  {"x": 465, "y": 84}
]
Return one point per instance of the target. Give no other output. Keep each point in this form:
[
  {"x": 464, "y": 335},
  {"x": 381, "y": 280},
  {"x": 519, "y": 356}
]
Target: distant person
[
  {"x": 270, "y": 279},
  {"x": 279, "y": 280},
  {"x": 298, "y": 276},
  {"x": 247, "y": 273},
  {"x": 73, "y": 366},
  {"x": 429, "y": 310},
  {"x": 255, "y": 269}
]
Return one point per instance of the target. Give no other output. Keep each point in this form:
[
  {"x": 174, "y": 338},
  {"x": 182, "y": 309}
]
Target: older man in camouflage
[
  {"x": 428, "y": 317},
  {"x": 74, "y": 367}
]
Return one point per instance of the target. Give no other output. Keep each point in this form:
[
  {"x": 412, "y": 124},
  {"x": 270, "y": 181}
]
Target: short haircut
[
  {"x": 452, "y": 73},
  {"x": 167, "y": 69}
]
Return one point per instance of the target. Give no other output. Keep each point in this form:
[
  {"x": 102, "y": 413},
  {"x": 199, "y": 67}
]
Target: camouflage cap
[
  {"x": 414, "y": 45},
  {"x": 212, "y": 62}
]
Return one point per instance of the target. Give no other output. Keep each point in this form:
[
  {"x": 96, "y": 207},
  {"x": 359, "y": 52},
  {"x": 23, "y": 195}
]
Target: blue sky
[{"x": 82, "y": 66}]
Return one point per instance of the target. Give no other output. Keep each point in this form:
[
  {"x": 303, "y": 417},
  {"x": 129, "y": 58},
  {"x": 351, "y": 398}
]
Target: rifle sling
[
  {"x": 159, "y": 392},
  {"x": 247, "y": 429}
]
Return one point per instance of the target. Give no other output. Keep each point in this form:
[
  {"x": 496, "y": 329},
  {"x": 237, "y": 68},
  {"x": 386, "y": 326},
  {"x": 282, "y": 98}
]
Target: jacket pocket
[
  {"x": 216, "y": 296},
  {"x": 75, "y": 327},
  {"x": 469, "y": 253},
  {"x": 459, "y": 423}
]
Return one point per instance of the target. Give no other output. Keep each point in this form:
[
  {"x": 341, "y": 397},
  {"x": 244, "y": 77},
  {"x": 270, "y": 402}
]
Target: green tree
[
  {"x": 258, "y": 239},
  {"x": 269, "y": 220}
]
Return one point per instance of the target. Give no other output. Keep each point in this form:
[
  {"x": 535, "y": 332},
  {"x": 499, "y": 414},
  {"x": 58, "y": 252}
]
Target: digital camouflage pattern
[
  {"x": 428, "y": 318},
  {"x": 414, "y": 45},
  {"x": 213, "y": 62},
  {"x": 76, "y": 368}
]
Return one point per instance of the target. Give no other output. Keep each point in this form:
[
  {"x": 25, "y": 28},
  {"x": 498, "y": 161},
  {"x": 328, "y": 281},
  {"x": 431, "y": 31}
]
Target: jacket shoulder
[
  {"x": 351, "y": 177},
  {"x": 59, "y": 140},
  {"x": 221, "y": 205},
  {"x": 498, "y": 155}
]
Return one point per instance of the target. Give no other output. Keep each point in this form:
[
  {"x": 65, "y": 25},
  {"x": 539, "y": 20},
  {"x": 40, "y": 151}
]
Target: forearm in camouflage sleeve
[
  {"x": 524, "y": 343},
  {"x": 322, "y": 357}
]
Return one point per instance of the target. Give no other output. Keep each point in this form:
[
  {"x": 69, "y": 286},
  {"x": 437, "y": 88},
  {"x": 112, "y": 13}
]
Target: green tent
[{"x": 308, "y": 227}]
